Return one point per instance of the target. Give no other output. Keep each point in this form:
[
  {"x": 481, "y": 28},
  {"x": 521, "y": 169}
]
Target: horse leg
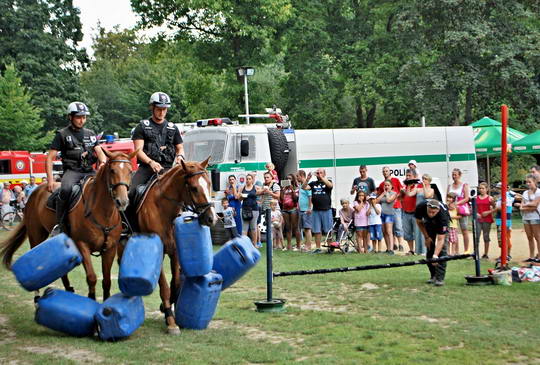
[
  {"x": 107, "y": 260},
  {"x": 67, "y": 286},
  {"x": 165, "y": 294},
  {"x": 91, "y": 277},
  {"x": 176, "y": 283}
]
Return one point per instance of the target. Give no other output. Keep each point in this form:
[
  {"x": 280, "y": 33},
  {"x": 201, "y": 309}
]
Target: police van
[{"x": 238, "y": 149}]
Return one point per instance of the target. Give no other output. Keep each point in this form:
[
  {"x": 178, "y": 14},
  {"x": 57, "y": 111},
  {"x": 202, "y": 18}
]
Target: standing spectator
[
  {"x": 408, "y": 201},
  {"x": 232, "y": 193},
  {"x": 277, "y": 225},
  {"x": 535, "y": 170},
  {"x": 229, "y": 214},
  {"x": 510, "y": 197},
  {"x": 259, "y": 185},
  {"x": 432, "y": 219},
  {"x": 289, "y": 201},
  {"x": 531, "y": 216},
  {"x": 363, "y": 182},
  {"x": 375, "y": 223},
  {"x": 7, "y": 198},
  {"x": 346, "y": 218},
  {"x": 30, "y": 187},
  {"x": 453, "y": 241},
  {"x": 414, "y": 167},
  {"x": 250, "y": 210},
  {"x": 305, "y": 206},
  {"x": 269, "y": 191},
  {"x": 272, "y": 170},
  {"x": 321, "y": 190},
  {"x": 484, "y": 217},
  {"x": 20, "y": 198},
  {"x": 44, "y": 180},
  {"x": 397, "y": 225},
  {"x": 423, "y": 192},
  {"x": 361, "y": 207},
  {"x": 462, "y": 202},
  {"x": 386, "y": 199}
]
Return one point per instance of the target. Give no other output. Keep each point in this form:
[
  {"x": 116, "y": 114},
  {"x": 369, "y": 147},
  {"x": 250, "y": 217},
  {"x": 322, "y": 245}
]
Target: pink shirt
[{"x": 361, "y": 217}]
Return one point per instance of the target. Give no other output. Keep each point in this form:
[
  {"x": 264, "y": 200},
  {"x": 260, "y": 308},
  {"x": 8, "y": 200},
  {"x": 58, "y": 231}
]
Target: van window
[
  {"x": 198, "y": 146},
  {"x": 5, "y": 167},
  {"x": 234, "y": 148}
]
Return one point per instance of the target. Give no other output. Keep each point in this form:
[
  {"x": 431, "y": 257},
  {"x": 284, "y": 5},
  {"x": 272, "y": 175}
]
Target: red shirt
[
  {"x": 396, "y": 187},
  {"x": 409, "y": 202},
  {"x": 484, "y": 205}
]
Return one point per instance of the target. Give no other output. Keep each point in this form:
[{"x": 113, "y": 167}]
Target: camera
[{"x": 411, "y": 182}]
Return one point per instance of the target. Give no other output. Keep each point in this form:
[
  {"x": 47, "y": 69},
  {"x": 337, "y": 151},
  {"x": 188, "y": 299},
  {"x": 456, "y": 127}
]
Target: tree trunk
[
  {"x": 371, "y": 116},
  {"x": 360, "y": 121},
  {"x": 468, "y": 106}
]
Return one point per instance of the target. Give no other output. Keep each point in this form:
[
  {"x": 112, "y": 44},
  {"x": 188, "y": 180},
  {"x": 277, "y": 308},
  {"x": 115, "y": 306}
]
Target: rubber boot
[{"x": 60, "y": 217}]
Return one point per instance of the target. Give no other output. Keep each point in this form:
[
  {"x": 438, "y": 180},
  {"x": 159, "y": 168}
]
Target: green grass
[{"x": 371, "y": 317}]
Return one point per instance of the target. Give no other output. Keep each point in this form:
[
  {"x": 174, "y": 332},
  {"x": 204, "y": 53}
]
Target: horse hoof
[
  {"x": 174, "y": 331},
  {"x": 70, "y": 289},
  {"x": 92, "y": 296}
]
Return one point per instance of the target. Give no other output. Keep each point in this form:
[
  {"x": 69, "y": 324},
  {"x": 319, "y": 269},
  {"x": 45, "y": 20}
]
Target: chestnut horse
[
  {"x": 94, "y": 221},
  {"x": 184, "y": 187}
]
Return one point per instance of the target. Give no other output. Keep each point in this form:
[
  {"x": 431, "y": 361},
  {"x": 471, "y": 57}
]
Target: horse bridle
[
  {"x": 196, "y": 208},
  {"x": 110, "y": 186}
]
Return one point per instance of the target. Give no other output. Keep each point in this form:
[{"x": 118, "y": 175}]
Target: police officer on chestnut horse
[
  {"x": 158, "y": 141},
  {"x": 79, "y": 151}
]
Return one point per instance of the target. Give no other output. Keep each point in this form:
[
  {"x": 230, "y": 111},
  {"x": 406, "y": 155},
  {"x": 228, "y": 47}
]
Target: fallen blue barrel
[
  {"x": 141, "y": 265},
  {"x": 66, "y": 312},
  {"x": 48, "y": 261},
  {"x": 194, "y": 246},
  {"x": 198, "y": 301},
  {"x": 119, "y": 316},
  {"x": 234, "y": 259}
]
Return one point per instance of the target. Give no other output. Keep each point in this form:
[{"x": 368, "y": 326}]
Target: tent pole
[{"x": 488, "y": 178}]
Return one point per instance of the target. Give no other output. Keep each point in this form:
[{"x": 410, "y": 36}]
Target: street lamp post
[{"x": 243, "y": 72}]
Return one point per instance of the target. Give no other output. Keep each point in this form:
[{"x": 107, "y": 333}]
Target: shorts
[
  {"x": 361, "y": 228},
  {"x": 322, "y": 221},
  {"x": 290, "y": 211},
  {"x": 233, "y": 232},
  {"x": 452, "y": 235},
  {"x": 251, "y": 225},
  {"x": 531, "y": 221},
  {"x": 375, "y": 232},
  {"x": 259, "y": 218},
  {"x": 387, "y": 218},
  {"x": 398, "y": 227},
  {"x": 463, "y": 222},
  {"x": 409, "y": 226},
  {"x": 306, "y": 221}
]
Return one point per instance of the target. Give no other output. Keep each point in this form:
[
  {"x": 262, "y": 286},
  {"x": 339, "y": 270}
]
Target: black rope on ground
[{"x": 372, "y": 267}]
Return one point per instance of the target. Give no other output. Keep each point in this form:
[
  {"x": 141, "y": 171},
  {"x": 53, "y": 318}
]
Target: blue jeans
[
  {"x": 322, "y": 221},
  {"x": 397, "y": 227}
]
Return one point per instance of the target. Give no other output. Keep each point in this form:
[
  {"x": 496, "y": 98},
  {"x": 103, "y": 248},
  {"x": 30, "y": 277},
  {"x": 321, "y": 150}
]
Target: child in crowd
[
  {"x": 484, "y": 218},
  {"x": 453, "y": 241},
  {"x": 277, "y": 225},
  {"x": 375, "y": 223},
  {"x": 272, "y": 170},
  {"x": 387, "y": 198},
  {"x": 510, "y": 197},
  {"x": 346, "y": 214},
  {"x": 361, "y": 207},
  {"x": 530, "y": 214},
  {"x": 228, "y": 218}
]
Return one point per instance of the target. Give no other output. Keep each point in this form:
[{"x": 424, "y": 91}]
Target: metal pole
[
  {"x": 475, "y": 240},
  {"x": 246, "y": 98},
  {"x": 504, "y": 182},
  {"x": 269, "y": 268},
  {"x": 423, "y": 121}
]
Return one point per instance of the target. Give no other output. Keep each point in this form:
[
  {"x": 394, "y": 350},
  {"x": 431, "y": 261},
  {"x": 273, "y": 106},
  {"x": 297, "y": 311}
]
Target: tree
[
  {"x": 40, "y": 37},
  {"x": 20, "y": 122}
]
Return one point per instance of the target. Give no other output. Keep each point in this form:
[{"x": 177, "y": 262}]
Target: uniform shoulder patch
[
  {"x": 146, "y": 122},
  {"x": 170, "y": 125}
]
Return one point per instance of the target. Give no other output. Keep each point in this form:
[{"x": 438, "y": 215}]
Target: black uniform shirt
[
  {"x": 138, "y": 133},
  {"x": 436, "y": 225}
]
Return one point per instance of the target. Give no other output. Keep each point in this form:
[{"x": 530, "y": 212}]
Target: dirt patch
[
  {"x": 458, "y": 346},
  {"x": 77, "y": 355},
  {"x": 369, "y": 286},
  {"x": 257, "y": 334},
  {"x": 428, "y": 319}
]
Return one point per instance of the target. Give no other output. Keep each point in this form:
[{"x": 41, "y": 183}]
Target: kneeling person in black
[
  {"x": 158, "y": 141},
  {"x": 433, "y": 218}
]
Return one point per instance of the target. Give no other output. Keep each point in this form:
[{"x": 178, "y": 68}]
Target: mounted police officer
[
  {"x": 79, "y": 151},
  {"x": 158, "y": 141}
]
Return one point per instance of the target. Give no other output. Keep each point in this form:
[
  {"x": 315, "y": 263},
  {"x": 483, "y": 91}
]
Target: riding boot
[{"x": 60, "y": 217}]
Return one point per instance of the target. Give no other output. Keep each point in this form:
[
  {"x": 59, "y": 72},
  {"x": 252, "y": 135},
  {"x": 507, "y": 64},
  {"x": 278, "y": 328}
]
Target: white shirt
[
  {"x": 373, "y": 217},
  {"x": 528, "y": 198}
]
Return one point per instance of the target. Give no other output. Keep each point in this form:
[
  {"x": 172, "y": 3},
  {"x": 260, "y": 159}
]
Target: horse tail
[{"x": 12, "y": 244}]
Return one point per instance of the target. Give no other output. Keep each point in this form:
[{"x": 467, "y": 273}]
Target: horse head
[
  {"x": 198, "y": 191},
  {"x": 118, "y": 175}
]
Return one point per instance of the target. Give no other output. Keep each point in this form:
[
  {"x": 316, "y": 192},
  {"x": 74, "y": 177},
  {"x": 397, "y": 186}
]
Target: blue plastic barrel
[
  {"x": 234, "y": 259},
  {"x": 141, "y": 265},
  {"x": 119, "y": 316},
  {"x": 198, "y": 301},
  {"x": 67, "y": 312},
  {"x": 48, "y": 261},
  {"x": 194, "y": 246}
]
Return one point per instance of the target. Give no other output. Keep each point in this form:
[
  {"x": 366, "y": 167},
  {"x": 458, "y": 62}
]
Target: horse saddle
[
  {"x": 74, "y": 197},
  {"x": 138, "y": 195}
]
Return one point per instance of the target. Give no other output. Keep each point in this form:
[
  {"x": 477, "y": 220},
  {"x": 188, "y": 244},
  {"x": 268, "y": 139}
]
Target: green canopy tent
[
  {"x": 485, "y": 122},
  {"x": 528, "y": 145}
]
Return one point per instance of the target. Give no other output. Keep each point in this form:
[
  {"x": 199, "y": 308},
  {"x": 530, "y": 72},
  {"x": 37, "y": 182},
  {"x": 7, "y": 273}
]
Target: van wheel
[
  {"x": 279, "y": 148},
  {"x": 218, "y": 233}
]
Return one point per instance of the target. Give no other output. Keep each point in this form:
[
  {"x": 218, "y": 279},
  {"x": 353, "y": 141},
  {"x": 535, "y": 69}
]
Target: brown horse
[
  {"x": 184, "y": 187},
  {"x": 94, "y": 221}
]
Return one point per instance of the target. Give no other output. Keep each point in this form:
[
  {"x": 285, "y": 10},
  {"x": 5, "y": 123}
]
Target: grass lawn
[{"x": 370, "y": 317}]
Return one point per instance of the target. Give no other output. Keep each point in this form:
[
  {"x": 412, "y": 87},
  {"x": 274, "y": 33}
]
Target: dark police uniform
[
  {"x": 437, "y": 225},
  {"x": 160, "y": 142},
  {"x": 72, "y": 144}
]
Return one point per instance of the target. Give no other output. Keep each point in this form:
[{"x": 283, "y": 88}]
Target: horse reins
[{"x": 197, "y": 208}]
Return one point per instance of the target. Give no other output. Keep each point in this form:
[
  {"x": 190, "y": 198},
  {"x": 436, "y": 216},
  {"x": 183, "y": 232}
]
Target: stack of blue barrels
[{"x": 206, "y": 274}]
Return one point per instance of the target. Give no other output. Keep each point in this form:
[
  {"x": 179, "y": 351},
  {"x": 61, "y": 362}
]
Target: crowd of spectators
[{"x": 13, "y": 199}]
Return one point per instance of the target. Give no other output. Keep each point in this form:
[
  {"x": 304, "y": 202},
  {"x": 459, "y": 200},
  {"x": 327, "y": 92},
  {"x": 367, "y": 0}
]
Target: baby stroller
[{"x": 344, "y": 238}]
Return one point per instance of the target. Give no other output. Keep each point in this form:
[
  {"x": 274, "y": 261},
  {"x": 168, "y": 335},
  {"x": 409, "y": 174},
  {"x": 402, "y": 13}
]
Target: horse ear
[
  {"x": 107, "y": 152},
  {"x": 183, "y": 165},
  {"x": 205, "y": 162},
  {"x": 133, "y": 154}
]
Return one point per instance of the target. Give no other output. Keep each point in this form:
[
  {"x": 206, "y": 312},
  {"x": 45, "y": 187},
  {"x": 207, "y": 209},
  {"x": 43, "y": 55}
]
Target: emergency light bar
[{"x": 213, "y": 121}]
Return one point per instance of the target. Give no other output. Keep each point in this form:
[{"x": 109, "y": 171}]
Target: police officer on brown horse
[
  {"x": 79, "y": 151},
  {"x": 158, "y": 141}
]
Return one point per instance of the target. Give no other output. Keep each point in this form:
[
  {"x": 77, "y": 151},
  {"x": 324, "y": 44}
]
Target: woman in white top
[
  {"x": 530, "y": 213},
  {"x": 463, "y": 196}
]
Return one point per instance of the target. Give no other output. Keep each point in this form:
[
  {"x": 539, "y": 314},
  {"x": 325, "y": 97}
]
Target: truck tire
[
  {"x": 279, "y": 148},
  {"x": 218, "y": 233}
]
